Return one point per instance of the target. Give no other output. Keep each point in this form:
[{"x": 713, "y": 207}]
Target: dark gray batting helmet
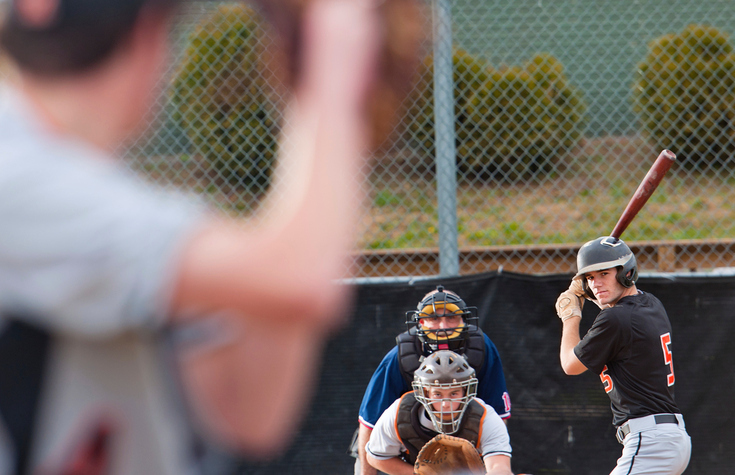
[{"x": 605, "y": 253}]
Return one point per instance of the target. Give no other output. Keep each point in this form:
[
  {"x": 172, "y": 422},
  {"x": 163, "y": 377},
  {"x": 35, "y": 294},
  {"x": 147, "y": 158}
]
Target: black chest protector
[
  {"x": 410, "y": 351},
  {"x": 414, "y": 436}
]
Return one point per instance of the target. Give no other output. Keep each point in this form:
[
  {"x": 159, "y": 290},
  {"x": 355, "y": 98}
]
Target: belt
[{"x": 643, "y": 423}]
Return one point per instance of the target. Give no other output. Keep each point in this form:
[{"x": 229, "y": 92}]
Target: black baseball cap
[{"x": 75, "y": 35}]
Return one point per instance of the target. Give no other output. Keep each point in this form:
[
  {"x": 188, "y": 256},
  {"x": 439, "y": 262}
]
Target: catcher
[{"x": 440, "y": 427}]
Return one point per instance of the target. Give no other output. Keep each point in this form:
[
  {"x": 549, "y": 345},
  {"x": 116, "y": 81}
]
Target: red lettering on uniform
[
  {"x": 668, "y": 358},
  {"x": 607, "y": 382},
  {"x": 506, "y": 401}
]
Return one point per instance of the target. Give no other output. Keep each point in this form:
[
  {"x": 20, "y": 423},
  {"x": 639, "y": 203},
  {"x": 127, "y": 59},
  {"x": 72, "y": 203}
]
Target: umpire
[{"x": 629, "y": 346}]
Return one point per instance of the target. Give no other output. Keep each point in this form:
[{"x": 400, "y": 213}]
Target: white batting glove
[
  {"x": 577, "y": 288},
  {"x": 569, "y": 305}
]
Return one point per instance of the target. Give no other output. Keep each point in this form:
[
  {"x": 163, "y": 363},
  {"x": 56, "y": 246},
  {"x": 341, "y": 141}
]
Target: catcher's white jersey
[{"x": 384, "y": 442}]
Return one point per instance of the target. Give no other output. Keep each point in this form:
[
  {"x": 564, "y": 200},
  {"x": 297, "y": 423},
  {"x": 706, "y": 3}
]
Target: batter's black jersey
[{"x": 629, "y": 346}]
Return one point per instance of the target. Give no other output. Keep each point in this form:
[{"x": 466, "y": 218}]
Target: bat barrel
[{"x": 649, "y": 184}]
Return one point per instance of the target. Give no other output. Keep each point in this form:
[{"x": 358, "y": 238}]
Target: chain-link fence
[{"x": 531, "y": 125}]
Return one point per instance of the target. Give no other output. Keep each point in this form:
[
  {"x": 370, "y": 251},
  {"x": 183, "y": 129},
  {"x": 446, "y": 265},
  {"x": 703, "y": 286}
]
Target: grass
[
  {"x": 550, "y": 214},
  {"x": 581, "y": 202},
  {"x": 571, "y": 207}
]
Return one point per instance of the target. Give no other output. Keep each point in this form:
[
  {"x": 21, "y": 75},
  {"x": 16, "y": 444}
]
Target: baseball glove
[
  {"x": 403, "y": 30},
  {"x": 447, "y": 455}
]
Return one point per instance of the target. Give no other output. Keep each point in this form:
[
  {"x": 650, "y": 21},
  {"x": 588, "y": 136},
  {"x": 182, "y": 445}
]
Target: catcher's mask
[
  {"x": 445, "y": 372},
  {"x": 442, "y": 303},
  {"x": 605, "y": 253}
]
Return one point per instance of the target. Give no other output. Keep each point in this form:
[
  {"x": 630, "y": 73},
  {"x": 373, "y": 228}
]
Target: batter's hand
[
  {"x": 577, "y": 287},
  {"x": 569, "y": 305}
]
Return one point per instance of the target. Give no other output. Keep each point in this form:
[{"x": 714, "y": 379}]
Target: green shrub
[
  {"x": 520, "y": 121},
  {"x": 684, "y": 94},
  {"x": 220, "y": 96},
  {"x": 469, "y": 73},
  {"x": 510, "y": 123}
]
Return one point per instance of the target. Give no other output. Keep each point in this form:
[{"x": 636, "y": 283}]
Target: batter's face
[
  {"x": 446, "y": 401},
  {"x": 605, "y": 286}
]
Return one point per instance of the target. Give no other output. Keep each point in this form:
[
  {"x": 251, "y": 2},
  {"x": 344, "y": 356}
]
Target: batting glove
[
  {"x": 569, "y": 305},
  {"x": 577, "y": 288}
]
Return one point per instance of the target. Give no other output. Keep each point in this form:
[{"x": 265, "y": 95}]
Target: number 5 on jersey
[
  {"x": 668, "y": 359},
  {"x": 607, "y": 382}
]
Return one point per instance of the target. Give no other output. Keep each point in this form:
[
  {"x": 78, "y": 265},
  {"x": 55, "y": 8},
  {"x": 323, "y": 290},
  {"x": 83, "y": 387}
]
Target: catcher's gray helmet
[
  {"x": 605, "y": 253},
  {"x": 445, "y": 370}
]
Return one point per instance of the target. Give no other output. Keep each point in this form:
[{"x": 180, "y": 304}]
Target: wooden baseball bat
[{"x": 644, "y": 191}]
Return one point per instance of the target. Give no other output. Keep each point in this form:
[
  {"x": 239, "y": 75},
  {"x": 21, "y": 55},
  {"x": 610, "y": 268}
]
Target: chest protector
[
  {"x": 410, "y": 351},
  {"x": 414, "y": 436}
]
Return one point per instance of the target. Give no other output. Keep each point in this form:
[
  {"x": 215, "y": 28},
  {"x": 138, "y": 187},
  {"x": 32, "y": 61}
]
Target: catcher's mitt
[
  {"x": 403, "y": 34},
  {"x": 447, "y": 455}
]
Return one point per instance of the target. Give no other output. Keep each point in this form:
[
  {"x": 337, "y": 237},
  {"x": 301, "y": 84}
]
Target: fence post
[{"x": 446, "y": 176}]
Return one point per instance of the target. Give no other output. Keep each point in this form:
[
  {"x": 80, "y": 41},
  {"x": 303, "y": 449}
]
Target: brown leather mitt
[
  {"x": 448, "y": 455},
  {"x": 403, "y": 28}
]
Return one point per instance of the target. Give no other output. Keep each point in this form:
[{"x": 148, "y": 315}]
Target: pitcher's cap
[
  {"x": 65, "y": 34},
  {"x": 48, "y": 15}
]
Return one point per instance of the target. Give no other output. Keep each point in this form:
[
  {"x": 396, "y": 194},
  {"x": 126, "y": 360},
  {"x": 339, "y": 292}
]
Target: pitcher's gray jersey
[{"x": 86, "y": 256}]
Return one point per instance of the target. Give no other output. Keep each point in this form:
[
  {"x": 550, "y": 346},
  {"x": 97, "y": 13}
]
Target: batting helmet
[
  {"x": 442, "y": 303},
  {"x": 605, "y": 253},
  {"x": 440, "y": 374}
]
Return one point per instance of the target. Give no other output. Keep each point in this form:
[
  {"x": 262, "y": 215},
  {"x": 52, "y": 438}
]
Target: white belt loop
[{"x": 680, "y": 418}]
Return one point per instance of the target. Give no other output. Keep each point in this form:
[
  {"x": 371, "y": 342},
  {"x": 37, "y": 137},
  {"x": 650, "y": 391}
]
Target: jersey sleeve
[
  {"x": 384, "y": 442},
  {"x": 494, "y": 439},
  {"x": 491, "y": 387},
  {"x": 87, "y": 247},
  {"x": 602, "y": 341},
  {"x": 386, "y": 385}
]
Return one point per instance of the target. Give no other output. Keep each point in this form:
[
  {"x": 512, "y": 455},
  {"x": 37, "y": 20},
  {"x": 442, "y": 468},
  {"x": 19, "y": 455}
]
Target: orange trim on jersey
[
  {"x": 482, "y": 423},
  {"x": 395, "y": 422}
]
